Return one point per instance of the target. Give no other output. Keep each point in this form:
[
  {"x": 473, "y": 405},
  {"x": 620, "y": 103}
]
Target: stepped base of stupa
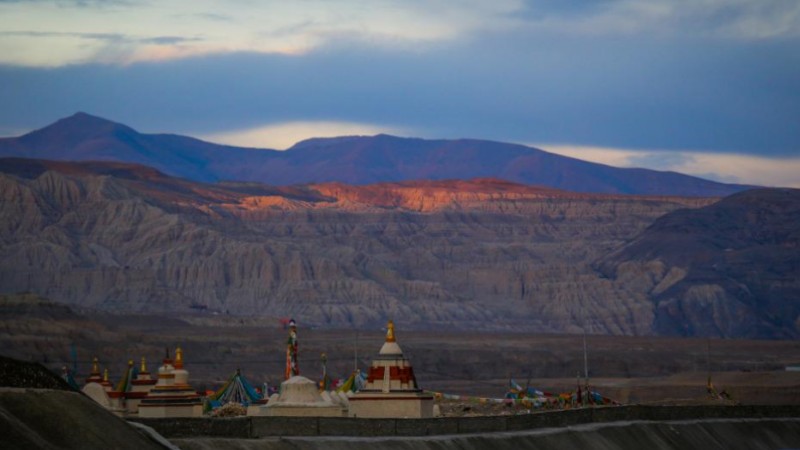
[
  {"x": 379, "y": 405},
  {"x": 171, "y": 410}
]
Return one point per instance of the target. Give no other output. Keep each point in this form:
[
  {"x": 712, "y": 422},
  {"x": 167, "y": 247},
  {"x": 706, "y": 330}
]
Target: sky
[{"x": 705, "y": 87}]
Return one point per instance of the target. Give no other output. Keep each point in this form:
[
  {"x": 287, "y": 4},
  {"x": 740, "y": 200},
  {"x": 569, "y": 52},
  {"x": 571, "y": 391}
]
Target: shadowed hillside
[
  {"x": 47, "y": 415},
  {"x": 736, "y": 259}
]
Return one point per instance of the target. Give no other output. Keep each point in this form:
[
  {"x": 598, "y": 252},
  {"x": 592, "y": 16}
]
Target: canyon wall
[{"x": 482, "y": 253}]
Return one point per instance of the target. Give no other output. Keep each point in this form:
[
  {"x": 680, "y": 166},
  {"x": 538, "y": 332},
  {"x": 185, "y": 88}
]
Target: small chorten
[
  {"x": 135, "y": 386},
  {"x": 165, "y": 376},
  {"x": 181, "y": 376},
  {"x": 299, "y": 397},
  {"x": 143, "y": 377},
  {"x": 172, "y": 396},
  {"x": 95, "y": 376},
  {"x": 105, "y": 383},
  {"x": 391, "y": 390},
  {"x": 97, "y": 388}
]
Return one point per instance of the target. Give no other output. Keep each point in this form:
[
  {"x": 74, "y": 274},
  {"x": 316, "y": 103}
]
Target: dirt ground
[{"x": 647, "y": 370}]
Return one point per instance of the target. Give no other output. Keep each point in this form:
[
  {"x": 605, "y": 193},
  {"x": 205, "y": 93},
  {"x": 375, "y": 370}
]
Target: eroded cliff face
[
  {"x": 460, "y": 254},
  {"x": 730, "y": 269}
]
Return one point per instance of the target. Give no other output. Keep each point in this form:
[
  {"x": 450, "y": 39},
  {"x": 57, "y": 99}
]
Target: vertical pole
[
  {"x": 585, "y": 359},
  {"x": 585, "y": 356},
  {"x": 708, "y": 359},
  {"x": 355, "y": 354}
]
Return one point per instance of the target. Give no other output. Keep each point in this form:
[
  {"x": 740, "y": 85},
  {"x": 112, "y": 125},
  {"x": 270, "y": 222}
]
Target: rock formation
[
  {"x": 456, "y": 254},
  {"x": 483, "y": 253},
  {"x": 730, "y": 269}
]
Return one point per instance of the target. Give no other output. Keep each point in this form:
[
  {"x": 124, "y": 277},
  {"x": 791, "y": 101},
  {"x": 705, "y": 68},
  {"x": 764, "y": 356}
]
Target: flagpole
[
  {"x": 355, "y": 354},
  {"x": 585, "y": 353}
]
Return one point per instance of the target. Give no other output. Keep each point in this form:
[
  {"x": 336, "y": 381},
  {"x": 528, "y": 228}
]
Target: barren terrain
[
  {"x": 481, "y": 254},
  {"x": 457, "y": 254},
  {"x": 627, "y": 369}
]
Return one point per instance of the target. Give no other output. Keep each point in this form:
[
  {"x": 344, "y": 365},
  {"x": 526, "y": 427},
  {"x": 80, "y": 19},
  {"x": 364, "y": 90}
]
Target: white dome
[
  {"x": 390, "y": 348},
  {"x": 299, "y": 390}
]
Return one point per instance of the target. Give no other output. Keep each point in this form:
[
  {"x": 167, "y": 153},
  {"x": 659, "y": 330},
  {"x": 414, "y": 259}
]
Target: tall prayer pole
[{"x": 292, "y": 368}]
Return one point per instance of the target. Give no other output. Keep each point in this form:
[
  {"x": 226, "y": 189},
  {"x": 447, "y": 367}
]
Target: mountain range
[
  {"x": 482, "y": 253},
  {"x": 352, "y": 160},
  {"x": 349, "y": 231}
]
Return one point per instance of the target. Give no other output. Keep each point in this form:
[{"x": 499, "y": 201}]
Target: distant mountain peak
[
  {"x": 77, "y": 126},
  {"x": 85, "y": 115},
  {"x": 85, "y": 119}
]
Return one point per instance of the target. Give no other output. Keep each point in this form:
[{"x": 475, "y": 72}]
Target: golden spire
[
  {"x": 178, "y": 358},
  {"x": 144, "y": 368},
  {"x": 95, "y": 366},
  {"x": 105, "y": 375},
  {"x": 390, "y": 332},
  {"x": 130, "y": 363}
]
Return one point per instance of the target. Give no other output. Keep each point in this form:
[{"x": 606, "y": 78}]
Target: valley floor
[{"x": 630, "y": 370}]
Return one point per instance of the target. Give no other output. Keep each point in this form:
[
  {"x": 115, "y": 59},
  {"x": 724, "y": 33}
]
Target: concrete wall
[
  {"x": 728, "y": 434},
  {"x": 257, "y": 427},
  {"x": 234, "y": 427}
]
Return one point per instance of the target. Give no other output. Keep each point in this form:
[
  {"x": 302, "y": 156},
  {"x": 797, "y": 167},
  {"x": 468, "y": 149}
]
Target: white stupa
[
  {"x": 299, "y": 397},
  {"x": 391, "y": 390},
  {"x": 172, "y": 396}
]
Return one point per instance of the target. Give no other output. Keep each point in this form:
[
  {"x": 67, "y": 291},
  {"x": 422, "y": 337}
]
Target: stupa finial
[
  {"x": 105, "y": 375},
  {"x": 178, "y": 358},
  {"x": 390, "y": 332},
  {"x": 95, "y": 366},
  {"x": 144, "y": 367}
]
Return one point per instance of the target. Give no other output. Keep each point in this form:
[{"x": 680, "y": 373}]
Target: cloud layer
[
  {"x": 281, "y": 136},
  {"x": 55, "y": 33},
  {"x": 719, "y": 76},
  {"x": 727, "y": 168}
]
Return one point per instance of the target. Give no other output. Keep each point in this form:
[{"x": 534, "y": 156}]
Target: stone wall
[{"x": 259, "y": 427}]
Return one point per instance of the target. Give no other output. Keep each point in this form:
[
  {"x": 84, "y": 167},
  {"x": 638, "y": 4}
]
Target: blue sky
[{"x": 708, "y": 87}]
